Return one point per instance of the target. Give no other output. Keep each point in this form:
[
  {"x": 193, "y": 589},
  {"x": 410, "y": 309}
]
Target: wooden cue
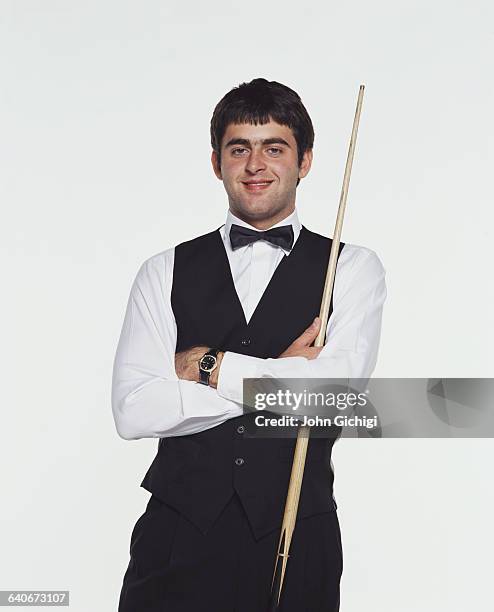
[{"x": 297, "y": 473}]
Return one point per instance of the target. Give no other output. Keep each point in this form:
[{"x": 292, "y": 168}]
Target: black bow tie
[{"x": 279, "y": 236}]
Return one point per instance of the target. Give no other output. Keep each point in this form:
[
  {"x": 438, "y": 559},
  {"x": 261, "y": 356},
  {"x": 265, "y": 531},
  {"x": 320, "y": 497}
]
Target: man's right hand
[{"x": 300, "y": 347}]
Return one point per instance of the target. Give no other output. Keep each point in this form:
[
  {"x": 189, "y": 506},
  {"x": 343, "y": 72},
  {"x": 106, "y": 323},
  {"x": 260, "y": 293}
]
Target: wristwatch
[{"x": 207, "y": 363}]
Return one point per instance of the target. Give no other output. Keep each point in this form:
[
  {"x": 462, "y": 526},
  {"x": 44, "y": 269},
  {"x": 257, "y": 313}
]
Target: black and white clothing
[
  {"x": 149, "y": 401},
  {"x": 210, "y": 479}
]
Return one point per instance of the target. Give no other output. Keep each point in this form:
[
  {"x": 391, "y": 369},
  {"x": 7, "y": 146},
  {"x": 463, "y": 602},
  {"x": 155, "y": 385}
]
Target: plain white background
[{"x": 104, "y": 144}]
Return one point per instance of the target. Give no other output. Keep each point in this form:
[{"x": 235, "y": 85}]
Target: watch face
[{"x": 208, "y": 362}]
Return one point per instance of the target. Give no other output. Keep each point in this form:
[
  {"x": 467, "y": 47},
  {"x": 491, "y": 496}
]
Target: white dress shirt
[{"x": 150, "y": 401}]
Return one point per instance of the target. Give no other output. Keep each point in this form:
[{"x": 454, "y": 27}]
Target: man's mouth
[{"x": 256, "y": 185}]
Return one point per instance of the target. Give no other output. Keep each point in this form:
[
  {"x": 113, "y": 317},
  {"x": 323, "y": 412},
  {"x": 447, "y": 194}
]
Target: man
[{"x": 239, "y": 303}]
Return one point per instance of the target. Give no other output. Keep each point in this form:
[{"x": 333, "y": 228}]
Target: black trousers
[{"x": 175, "y": 568}]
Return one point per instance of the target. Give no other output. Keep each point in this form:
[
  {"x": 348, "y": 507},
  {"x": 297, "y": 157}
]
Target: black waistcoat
[{"x": 197, "y": 474}]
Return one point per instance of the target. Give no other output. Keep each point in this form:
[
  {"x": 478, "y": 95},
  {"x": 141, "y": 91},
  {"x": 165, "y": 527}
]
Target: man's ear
[
  {"x": 305, "y": 164},
  {"x": 216, "y": 165}
]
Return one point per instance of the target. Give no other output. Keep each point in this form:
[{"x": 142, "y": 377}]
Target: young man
[{"x": 239, "y": 302}]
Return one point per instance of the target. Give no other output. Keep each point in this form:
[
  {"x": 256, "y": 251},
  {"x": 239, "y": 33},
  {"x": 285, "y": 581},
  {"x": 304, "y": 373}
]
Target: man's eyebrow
[{"x": 266, "y": 141}]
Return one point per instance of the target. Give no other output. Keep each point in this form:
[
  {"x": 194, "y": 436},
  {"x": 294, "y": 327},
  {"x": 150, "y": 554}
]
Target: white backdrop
[{"x": 104, "y": 145}]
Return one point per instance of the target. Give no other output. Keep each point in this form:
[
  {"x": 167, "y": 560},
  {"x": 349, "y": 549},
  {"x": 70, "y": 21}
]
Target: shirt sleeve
[
  {"x": 352, "y": 336},
  {"x": 148, "y": 398}
]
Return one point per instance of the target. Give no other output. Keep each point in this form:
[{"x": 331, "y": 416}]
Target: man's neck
[{"x": 264, "y": 224}]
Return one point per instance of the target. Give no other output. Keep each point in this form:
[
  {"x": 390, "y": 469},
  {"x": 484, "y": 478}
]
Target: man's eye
[
  {"x": 275, "y": 150},
  {"x": 238, "y": 151}
]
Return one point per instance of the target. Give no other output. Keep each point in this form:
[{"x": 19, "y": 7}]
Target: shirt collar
[{"x": 290, "y": 220}]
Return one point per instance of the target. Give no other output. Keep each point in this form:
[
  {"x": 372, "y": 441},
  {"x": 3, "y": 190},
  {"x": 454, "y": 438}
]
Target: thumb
[{"x": 309, "y": 335}]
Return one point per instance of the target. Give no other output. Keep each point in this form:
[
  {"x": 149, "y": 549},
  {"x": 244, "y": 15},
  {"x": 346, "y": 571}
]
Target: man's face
[{"x": 259, "y": 169}]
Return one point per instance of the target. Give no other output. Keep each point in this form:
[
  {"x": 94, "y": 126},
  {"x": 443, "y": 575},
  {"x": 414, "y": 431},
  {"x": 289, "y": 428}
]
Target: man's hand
[
  {"x": 187, "y": 364},
  {"x": 300, "y": 347}
]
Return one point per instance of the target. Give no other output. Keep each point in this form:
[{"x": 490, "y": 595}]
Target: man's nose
[{"x": 255, "y": 161}]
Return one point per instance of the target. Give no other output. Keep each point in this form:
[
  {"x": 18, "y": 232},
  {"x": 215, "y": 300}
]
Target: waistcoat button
[
  {"x": 245, "y": 342},
  {"x": 239, "y": 461},
  {"x": 240, "y": 429}
]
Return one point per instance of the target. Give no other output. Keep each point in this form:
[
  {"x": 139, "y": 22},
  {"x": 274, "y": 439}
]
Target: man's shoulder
[
  {"x": 159, "y": 260},
  {"x": 359, "y": 251},
  {"x": 200, "y": 242},
  {"x": 361, "y": 260},
  {"x": 164, "y": 258},
  {"x": 350, "y": 251}
]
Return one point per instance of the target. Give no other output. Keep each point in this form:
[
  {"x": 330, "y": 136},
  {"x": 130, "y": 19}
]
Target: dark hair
[{"x": 258, "y": 102}]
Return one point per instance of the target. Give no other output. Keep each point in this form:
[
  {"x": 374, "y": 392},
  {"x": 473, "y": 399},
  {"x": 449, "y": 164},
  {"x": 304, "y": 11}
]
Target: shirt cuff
[
  {"x": 234, "y": 368},
  {"x": 201, "y": 402}
]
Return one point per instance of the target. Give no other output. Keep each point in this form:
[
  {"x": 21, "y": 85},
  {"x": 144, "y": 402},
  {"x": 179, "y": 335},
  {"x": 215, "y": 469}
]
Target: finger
[{"x": 309, "y": 334}]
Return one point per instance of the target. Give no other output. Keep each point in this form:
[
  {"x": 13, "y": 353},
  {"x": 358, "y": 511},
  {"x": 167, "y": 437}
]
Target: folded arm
[
  {"x": 352, "y": 337},
  {"x": 155, "y": 392},
  {"x": 148, "y": 398}
]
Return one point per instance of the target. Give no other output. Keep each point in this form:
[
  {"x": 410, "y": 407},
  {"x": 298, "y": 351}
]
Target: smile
[{"x": 258, "y": 186}]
